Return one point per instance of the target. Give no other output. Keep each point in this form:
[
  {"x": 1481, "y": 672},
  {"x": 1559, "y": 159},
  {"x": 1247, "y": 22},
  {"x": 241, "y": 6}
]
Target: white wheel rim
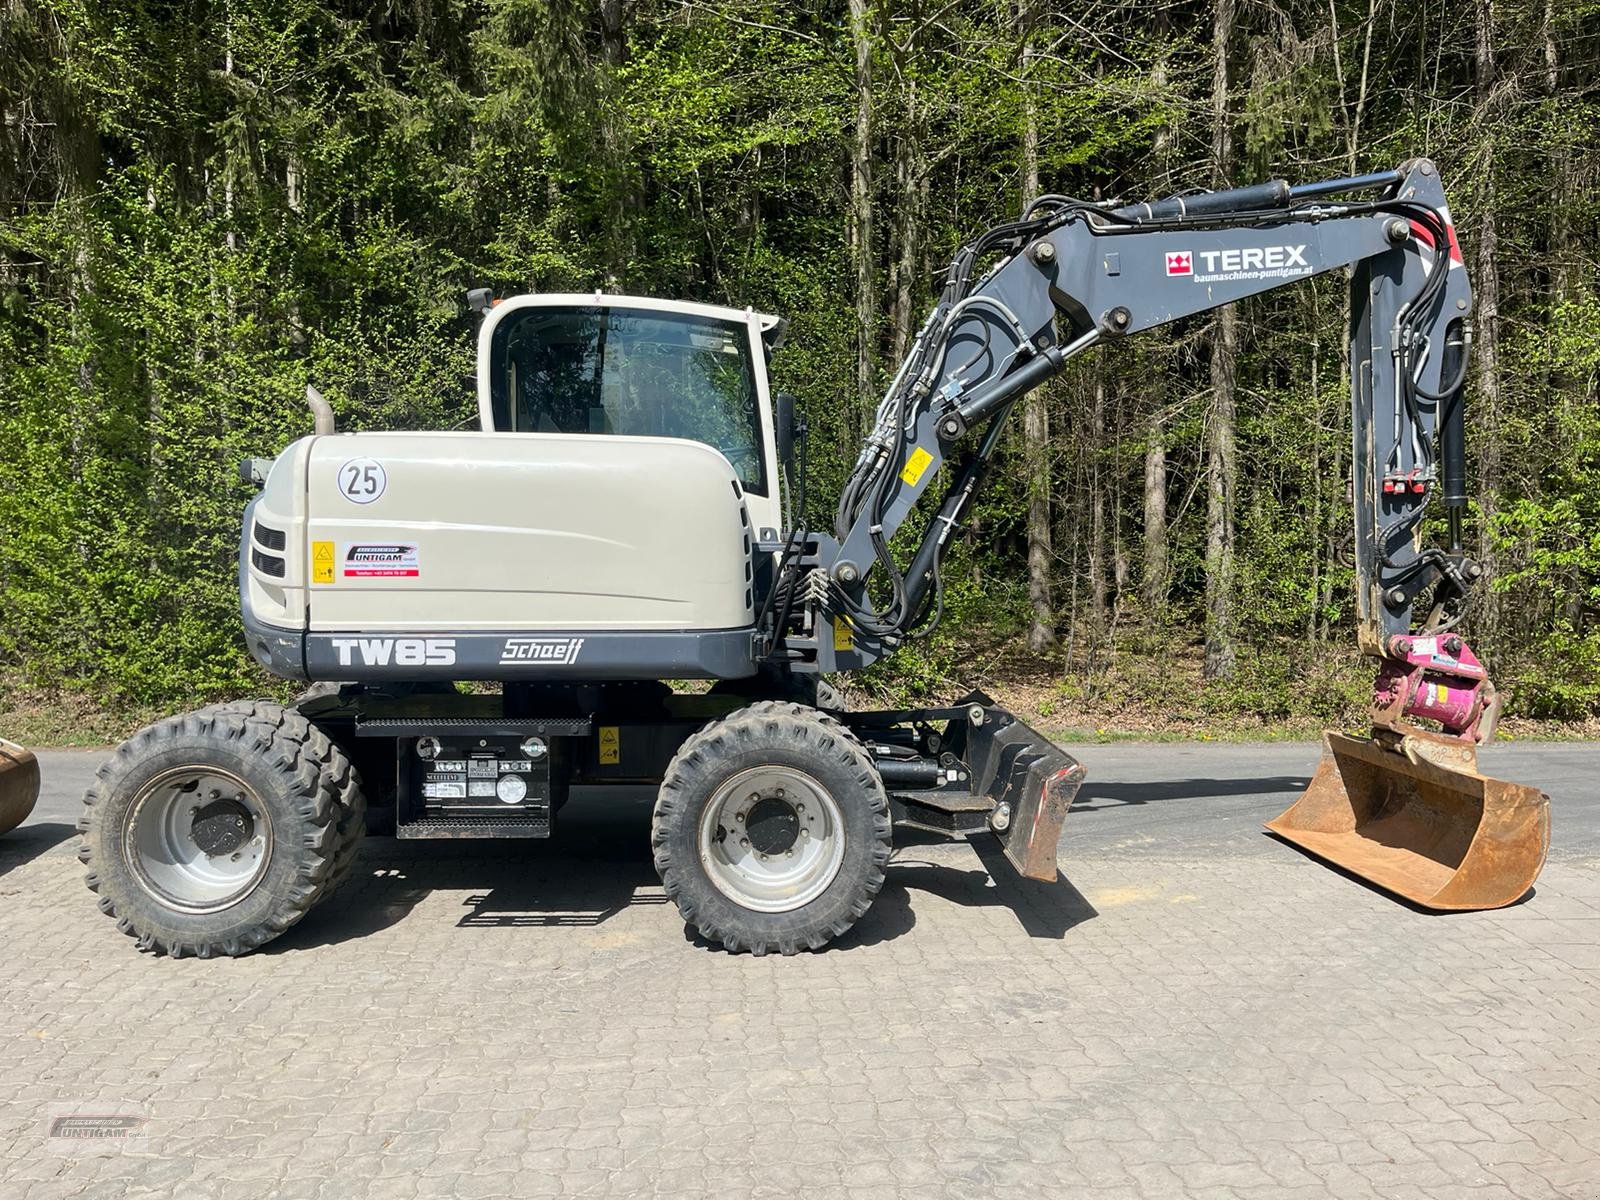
[
  {"x": 174, "y": 851},
  {"x": 746, "y": 847}
]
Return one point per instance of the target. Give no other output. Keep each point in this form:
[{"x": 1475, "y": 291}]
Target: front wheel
[{"x": 772, "y": 829}]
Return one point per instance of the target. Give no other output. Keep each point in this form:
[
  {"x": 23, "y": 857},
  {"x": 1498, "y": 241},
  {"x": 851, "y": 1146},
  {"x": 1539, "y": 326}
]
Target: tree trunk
[
  {"x": 622, "y": 201},
  {"x": 1486, "y": 286},
  {"x": 1099, "y": 576},
  {"x": 861, "y": 212},
  {"x": 911, "y": 186},
  {"x": 1157, "y": 572},
  {"x": 1157, "y": 578},
  {"x": 1035, "y": 413},
  {"x": 1222, "y": 470}
]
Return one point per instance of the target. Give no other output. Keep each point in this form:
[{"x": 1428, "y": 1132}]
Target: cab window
[{"x": 630, "y": 371}]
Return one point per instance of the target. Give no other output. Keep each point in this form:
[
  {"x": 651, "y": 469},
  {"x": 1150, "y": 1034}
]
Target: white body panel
[{"x": 505, "y": 531}]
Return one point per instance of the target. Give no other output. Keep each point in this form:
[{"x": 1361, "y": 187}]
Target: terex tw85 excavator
[{"x": 618, "y": 523}]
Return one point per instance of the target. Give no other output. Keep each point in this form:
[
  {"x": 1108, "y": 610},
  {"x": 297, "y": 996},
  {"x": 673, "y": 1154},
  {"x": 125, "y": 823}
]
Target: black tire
[
  {"x": 350, "y": 820},
  {"x": 304, "y": 785},
  {"x": 784, "y": 736},
  {"x": 320, "y": 690},
  {"x": 810, "y": 690},
  {"x": 829, "y": 697}
]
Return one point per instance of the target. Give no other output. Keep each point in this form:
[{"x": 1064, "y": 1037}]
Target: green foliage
[{"x": 202, "y": 208}]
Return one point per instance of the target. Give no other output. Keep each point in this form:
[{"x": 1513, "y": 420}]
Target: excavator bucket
[
  {"x": 1419, "y": 821},
  {"x": 19, "y": 784}
]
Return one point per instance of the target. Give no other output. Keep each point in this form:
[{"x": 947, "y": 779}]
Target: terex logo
[
  {"x": 556, "y": 652},
  {"x": 403, "y": 652},
  {"x": 1180, "y": 262},
  {"x": 1252, "y": 258}
]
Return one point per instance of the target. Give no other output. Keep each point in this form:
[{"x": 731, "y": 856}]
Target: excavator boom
[{"x": 1406, "y": 808}]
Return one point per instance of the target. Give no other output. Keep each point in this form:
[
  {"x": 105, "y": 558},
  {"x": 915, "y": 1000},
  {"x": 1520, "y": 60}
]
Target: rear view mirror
[{"x": 785, "y": 424}]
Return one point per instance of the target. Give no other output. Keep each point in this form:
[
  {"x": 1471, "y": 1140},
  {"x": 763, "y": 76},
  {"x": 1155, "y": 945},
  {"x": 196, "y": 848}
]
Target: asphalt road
[{"x": 1195, "y": 799}]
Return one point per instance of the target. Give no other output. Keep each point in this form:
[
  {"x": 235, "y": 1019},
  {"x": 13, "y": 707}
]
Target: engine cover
[{"x": 501, "y": 555}]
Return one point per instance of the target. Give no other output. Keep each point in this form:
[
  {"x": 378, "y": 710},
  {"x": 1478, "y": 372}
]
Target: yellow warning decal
[
  {"x": 843, "y": 638},
  {"x": 610, "y": 744},
  {"x": 321, "y": 562},
  {"x": 916, "y": 466}
]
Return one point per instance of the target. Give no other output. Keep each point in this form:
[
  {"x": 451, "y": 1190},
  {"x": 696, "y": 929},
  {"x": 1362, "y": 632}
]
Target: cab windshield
[{"x": 630, "y": 371}]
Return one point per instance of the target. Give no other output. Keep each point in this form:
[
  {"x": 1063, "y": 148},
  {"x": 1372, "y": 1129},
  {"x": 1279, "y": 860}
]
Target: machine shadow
[
  {"x": 596, "y": 867},
  {"x": 599, "y": 865},
  {"x": 1097, "y": 797},
  {"x": 27, "y": 842},
  {"x": 1044, "y": 910}
]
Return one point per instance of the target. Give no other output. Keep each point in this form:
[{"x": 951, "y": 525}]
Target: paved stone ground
[{"x": 1200, "y": 1011}]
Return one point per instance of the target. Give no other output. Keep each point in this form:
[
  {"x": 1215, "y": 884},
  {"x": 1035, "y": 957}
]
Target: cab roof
[{"x": 771, "y": 326}]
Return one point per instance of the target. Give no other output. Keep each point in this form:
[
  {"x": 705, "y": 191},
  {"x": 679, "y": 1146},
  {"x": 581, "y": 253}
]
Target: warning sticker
[
  {"x": 916, "y": 466},
  {"x": 321, "y": 562},
  {"x": 610, "y": 744},
  {"x": 843, "y": 638},
  {"x": 387, "y": 560}
]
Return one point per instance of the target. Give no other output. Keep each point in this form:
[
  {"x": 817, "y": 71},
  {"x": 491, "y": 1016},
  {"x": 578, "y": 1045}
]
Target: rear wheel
[
  {"x": 772, "y": 829},
  {"x": 213, "y": 832}
]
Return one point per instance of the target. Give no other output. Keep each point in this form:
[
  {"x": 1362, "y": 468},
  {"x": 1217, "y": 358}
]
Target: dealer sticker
[{"x": 380, "y": 560}]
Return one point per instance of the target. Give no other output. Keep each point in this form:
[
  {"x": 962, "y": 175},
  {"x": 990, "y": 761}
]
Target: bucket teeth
[{"x": 1414, "y": 817}]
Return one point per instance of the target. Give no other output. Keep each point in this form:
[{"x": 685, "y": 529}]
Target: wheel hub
[
  {"x": 222, "y": 826},
  {"x": 772, "y": 838},
  {"x": 772, "y": 825},
  {"x": 198, "y": 838}
]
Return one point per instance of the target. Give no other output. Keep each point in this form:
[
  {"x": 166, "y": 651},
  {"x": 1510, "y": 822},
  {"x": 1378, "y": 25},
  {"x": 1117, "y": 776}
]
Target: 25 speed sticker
[
  {"x": 385, "y": 560},
  {"x": 362, "y": 480}
]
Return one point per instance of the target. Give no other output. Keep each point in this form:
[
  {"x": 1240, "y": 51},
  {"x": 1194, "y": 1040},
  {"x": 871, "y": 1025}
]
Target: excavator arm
[{"x": 1069, "y": 275}]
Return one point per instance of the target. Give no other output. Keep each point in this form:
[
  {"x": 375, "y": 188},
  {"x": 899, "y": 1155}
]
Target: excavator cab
[{"x": 636, "y": 366}]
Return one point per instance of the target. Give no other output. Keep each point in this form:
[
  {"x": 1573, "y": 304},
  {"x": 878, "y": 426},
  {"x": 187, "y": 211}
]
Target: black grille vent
[
  {"x": 267, "y": 563},
  {"x": 272, "y": 539}
]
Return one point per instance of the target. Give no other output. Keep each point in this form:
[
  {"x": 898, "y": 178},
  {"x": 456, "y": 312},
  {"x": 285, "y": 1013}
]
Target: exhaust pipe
[{"x": 321, "y": 411}]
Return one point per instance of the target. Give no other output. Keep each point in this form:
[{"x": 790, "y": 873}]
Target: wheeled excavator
[{"x": 630, "y": 514}]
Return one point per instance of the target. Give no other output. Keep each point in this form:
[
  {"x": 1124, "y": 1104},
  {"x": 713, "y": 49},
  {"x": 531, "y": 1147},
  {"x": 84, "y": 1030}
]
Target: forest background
[{"x": 204, "y": 206}]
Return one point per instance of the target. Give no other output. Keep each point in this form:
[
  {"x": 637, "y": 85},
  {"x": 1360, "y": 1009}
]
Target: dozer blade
[
  {"x": 1441, "y": 836},
  {"x": 1031, "y": 783},
  {"x": 19, "y": 785}
]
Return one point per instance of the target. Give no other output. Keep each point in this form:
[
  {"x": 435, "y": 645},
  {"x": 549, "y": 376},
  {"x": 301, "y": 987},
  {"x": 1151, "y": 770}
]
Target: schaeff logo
[{"x": 561, "y": 652}]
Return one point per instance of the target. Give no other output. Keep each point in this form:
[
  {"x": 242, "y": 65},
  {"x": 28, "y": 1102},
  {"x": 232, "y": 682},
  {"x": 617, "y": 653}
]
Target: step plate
[
  {"x": 425, "y": 726},
  {"x": 467, "y": 825}
]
